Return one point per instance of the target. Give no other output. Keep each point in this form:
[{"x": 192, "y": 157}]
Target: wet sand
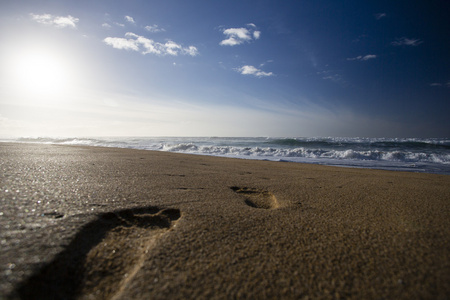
[{"x": 105, "y": 223}]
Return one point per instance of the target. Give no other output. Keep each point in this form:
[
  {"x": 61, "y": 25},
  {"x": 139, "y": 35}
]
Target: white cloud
[
  {"x": 172, "y": 48},
  {"x": 230, "y": 42},
  {"x": 251, "y": 70},
  {"x": 58, "y": 21},
  {"x": 130, "y": 19},
  {"x": 191, "y": 50},
  {"x": 121, "y": 43},
  {"x": 237, "y": 36},
  {"x": 154, "y": 28},
  {"x": 406, "y": 42},
  {"x": 380, "y": 15},
  {"x": 239, "y": 33},
  {"x": 365, "y": 57},
  {"x": 106, "y": 25},
  {"x": 144, "y": 45}
]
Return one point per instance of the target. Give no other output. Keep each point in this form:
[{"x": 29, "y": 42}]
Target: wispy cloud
[
  {"x": 106, "y": 25},
  {"x": 440, "y": 84},
  {"x": 237, "y": 36},
  {"x": 251, "y": 70},
  {"x": 360, "y": 38},
  {"x": 380, "y": 15},
  {"x": 57, "y": 21},
  {"x": 403, "y": 41},
  {"x": 365, "y": 57},
  {"x": 154, "y": 28},
  {"x": 332, "y": 76},
  {"x": 130, "y": 19},
  {"x": 144, "y": 45},
  {"x": 264, "y": 63}
]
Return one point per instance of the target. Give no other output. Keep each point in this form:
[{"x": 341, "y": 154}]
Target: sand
[{"x": 105, "y": 223}]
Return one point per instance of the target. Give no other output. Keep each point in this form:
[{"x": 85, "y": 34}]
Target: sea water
[{"x": 401, "y": 154}]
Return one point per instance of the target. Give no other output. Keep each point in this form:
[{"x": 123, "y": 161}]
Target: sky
[{"x": 288, "y": 68}]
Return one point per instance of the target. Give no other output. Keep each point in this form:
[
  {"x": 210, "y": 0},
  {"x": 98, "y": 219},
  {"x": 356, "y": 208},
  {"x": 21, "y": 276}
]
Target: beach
[{"x": 107, "y": 223}]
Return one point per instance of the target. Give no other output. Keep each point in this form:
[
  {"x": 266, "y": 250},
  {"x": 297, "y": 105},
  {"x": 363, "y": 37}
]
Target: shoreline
[
  {"x": 193, "y": 226},
  {"x": 397, "y": 166}
]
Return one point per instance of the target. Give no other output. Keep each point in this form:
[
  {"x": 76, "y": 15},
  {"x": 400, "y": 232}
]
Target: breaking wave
[{"x": 429, "y": 155}]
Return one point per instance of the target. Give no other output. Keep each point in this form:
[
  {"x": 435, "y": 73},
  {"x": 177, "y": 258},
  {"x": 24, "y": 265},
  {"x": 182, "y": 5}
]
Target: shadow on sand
[{"x": 100, "y": 255}]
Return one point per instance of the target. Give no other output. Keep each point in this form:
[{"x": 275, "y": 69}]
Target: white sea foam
[{"x": 414, "y": 154}]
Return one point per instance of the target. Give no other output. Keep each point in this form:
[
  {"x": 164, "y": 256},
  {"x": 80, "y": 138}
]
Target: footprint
[
  {"x": 257, "y": 198},
  {"x": 102, "y": 258}
]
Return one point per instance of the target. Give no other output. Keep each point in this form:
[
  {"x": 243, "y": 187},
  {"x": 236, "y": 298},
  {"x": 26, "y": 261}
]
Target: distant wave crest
[
  {"x": 365, "y": 152},
  {"x": 404, "y": 156}
]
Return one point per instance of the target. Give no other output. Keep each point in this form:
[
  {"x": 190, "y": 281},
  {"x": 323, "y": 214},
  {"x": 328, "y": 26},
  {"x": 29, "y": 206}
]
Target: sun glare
[{"x": 40, "y": 73}]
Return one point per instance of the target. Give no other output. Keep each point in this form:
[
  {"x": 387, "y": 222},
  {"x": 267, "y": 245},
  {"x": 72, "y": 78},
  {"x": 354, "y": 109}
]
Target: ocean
[{"x": 399, "y": 154}]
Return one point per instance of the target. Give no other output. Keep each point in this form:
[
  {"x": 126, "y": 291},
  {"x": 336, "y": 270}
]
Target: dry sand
[{"x": 104, "y": 223}]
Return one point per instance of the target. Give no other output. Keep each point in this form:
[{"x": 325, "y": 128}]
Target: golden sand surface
[{"x": 106, "y": 223}]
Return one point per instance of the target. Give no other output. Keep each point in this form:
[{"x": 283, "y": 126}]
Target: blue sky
[{"x": 225, "y": 68}]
